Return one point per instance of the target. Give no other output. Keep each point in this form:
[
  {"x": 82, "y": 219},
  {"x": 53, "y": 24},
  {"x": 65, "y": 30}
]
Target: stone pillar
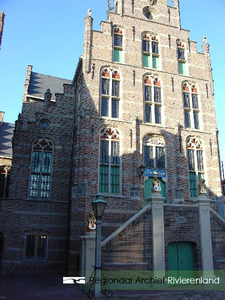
[
  {"x": 158, "y": 242},
  {"x": 88, "y": 255},
  {"x": 205, "y": 236}
]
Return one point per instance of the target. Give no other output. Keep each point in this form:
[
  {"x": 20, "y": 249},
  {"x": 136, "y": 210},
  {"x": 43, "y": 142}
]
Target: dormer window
[
  {"x": 150, "y": 52},
  {"x": 118, "y": 45}
]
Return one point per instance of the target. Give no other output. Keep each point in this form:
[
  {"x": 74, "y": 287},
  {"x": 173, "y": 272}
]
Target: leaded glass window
[
  {"x": 181, "y": 58},
  {"x": 41, "y": 169},
  {"x": 110, "y": 94},
  {"x": 195, "y": 164},
  {"x": 110, "y": 161},
  {"x": 150, "y": 52},
  {"x": 191, "y": 107},
  {"x": 118, "y": 45},
  {"x": 154, "y": 152},
  {"x": 36, "y": 247}
]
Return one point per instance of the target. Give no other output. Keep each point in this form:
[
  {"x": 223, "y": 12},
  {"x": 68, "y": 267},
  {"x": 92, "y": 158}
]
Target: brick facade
[{"x": 75, "y": 125}]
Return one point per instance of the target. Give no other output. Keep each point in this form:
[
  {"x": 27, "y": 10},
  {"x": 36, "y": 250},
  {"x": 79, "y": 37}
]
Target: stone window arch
[
  {"x": 195, "y": 158},
  {"x": 41, "y": 168},
  {"x": 110, "y": 93},
  {"x": 110, "y": 161}
]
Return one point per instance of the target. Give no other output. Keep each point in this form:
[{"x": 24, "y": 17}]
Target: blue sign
[{"x": 150, "y": 173}]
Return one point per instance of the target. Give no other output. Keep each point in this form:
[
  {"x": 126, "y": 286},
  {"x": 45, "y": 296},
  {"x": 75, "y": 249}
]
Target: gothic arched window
[
  {"x": 153, "y": 100},
  {"x": 41, "y": 168},
  {"x": 118, "y": 45},
  {"x": 150, "y": 51},
  {"x": 195, "y": 164},
  {"x": 110, "y": 94},
  {"x": 110, "y": 161},
  {"x": 191, "y": 106},
  {"x": 154, "y": 152}
]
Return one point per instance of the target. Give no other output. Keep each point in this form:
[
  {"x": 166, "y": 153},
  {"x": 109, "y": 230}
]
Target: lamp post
[{"x": 98, "y": 207}]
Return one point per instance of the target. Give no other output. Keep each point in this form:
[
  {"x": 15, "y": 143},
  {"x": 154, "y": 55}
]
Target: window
[
  {"x": 110, "y": 161},
  {"x": 181, "y": 59},
  {"x": 4, "y": 181},
  {"x": 118, "y": 45},
  {"x": 41, "y": 169},
  {"x": 36, "y": 247},
  {"x": 154, "y": 152},
  {"x": 191, "y": 106},
  {"x": 195, "y": 164},
  {"x": 152, "y": 100},
  {"x": 150, "y": 52},
  {"x": 110, "y": 94}
]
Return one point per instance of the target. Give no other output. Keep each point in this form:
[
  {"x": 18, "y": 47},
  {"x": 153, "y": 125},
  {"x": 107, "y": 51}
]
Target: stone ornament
[
  {"x": 91, "y": 222},
  {"x": 202, "y": 189},
  {"x": 156, "y": 187}
]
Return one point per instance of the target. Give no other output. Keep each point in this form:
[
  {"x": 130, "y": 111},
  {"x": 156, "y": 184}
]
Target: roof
[
  {"x": 39, "y": 83},
  {"x": 6, "y": 135}
]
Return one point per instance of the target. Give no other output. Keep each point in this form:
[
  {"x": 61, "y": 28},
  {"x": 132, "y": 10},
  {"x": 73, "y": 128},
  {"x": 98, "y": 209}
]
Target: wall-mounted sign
[{"x": 150, "y": 173}]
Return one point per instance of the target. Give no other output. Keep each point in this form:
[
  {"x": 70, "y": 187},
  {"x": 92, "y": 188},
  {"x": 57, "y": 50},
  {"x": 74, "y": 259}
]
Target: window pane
[
  {"x": 105, "y": 107},
  {"x": 155, "y": 62},
  {"x": 155, "y": 47},
  {"x": 157, "y": 94},
  {"x": 116, "y": 88},
  {"x": 157, "y": 114},
  {"x": 41, "y": 246},
  {"x": 182, "y": 68},
  {"x": 45, "y": 186},
  {"x": 47, "y": 162},
  {"x": 104, "y": 179},
  {"x": 148, "y": 157},
  {"x": 104, "y": 152},
  {"x": 118, "y": 40},
  {"x": 193, "y": 184},
  {"x": 36, "y": 162},
  {"x": 115, "y": 179},
  {"x": 115, "y": 108},
  {"x": 200, "y": 160},
  {"x": 146, "y": 61},
  {"x": 145, "y": 46},
  {"x": 196, "y": 120},
  {"x": 186, "y": 99},
  {"x": 195, "y": 101},
  {"x": 105, "y": 86},
  {"x": 115, "y": 156},
  {"x": 30, "y": 246},
  {"x": 187, "y": 119},
  {"x": 34, "y": 183},
  {"x": 160, "y": 157},
  {"x": 148, "y": 113},
  {"x": 191, "y": 160},
  {"x": 118, "y": 55},
  {"x": 181, "y": 55},
  {"x": 148, "y": 93}
]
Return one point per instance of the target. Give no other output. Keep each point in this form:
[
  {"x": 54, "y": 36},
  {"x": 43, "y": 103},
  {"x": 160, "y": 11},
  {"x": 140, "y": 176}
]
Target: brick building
[{"x": 142, "y": 95}]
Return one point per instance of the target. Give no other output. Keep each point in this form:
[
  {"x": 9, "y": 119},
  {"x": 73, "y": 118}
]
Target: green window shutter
[
  {"x": 146, "y": 61},
  {"x": 118, "y": 55},
  {"x": 115, "y": 180},
  {"x": 182, "y": 68},
  {"x": 104, "y": 179},
  {"x": 155, "y": 62}
]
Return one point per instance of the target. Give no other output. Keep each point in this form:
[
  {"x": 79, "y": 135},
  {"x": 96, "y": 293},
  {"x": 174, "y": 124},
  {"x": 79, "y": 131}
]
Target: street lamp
[{"x": 98, "y": 207}]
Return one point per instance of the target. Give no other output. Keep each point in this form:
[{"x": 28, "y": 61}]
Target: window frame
[
  {"x": 36, "y": 258},
  {"x": 155, "y": 141},
  {"x": 41, "y": 173},
  {"x": 182, "y": 62},
  {"x": 118, "y": 31},
  {"x": 191, "y": 90},
  {"x": 110, "y": 135},
  {"x": 194, "y": 144},
  {"x": 154, "y": 83},
  {"x": 149, "y": 55}
]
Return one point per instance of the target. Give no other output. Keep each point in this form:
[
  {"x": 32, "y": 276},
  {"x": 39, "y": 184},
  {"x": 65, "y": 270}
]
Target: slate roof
[
  {"x": 39, "y": 83},
  {"x": 6, "y": 135}
]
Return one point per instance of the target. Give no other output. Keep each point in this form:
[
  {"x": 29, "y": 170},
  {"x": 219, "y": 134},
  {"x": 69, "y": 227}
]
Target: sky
[{"x": 48, "y": 34}]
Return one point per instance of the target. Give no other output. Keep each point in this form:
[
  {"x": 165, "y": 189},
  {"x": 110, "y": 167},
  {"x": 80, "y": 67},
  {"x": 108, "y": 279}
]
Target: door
[
  {"x": 148, "y": 188},
  {"x": 181, "y": 260}
]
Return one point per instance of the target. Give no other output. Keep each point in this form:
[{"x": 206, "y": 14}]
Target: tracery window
[
  {"x": 110, "y": 161},
  {"x": 195, "y": 164},
  {"x": 110, "y": 94},
  {"x": 41, "y": 169},
  {"x": 182, "y": 63},
  {"x": 118, "y": 45},
  {"x": 150, "y": 51},
  {"x": 154, "y": 152},
  {"x": 153, "y": 100},
  {"x": 191, "y": 106}
]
